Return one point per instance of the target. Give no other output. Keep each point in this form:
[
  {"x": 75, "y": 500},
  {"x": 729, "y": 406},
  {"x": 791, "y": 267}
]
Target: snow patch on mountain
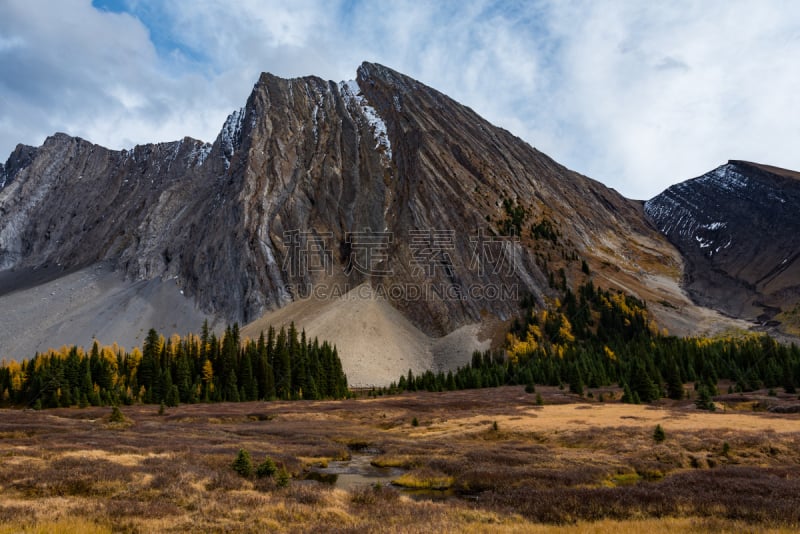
[
  {"x": 352, "y": 94},
  {"x": 680, "y": 213},
  {"x": 703, "y": 242},
  {"x": 199, "y": 154},
  {"x": 727, "y": 178},
  {"x": 231, "y": 135}
]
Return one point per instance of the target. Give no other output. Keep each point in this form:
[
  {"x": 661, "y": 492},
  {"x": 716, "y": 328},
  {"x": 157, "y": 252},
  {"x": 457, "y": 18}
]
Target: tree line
[
  {"x": 204, "y": 368},
  {"x": 600, "y": 338}
]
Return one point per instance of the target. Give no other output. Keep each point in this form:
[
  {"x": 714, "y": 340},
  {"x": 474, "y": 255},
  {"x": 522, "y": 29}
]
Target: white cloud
[
  {"x": 726, "y": 91},
  {"x": 93, "y": 74},
  {"x": 637, "y": 95}
]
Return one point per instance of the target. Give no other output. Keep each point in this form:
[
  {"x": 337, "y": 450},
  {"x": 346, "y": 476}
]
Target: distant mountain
[
  {"x": 381, "y": 182},
  {"x": 738, "y": 228}
]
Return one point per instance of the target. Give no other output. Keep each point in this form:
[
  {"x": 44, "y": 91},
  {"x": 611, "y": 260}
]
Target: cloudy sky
[{"x": 636, "y": 94}]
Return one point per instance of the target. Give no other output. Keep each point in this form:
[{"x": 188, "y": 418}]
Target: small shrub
[
  {"x": 530, "y": 388},
  {"x": 415, "y": 422},
  {"x": 266, "y": 469},
  {"x": 539, "y": 399},
  {"x": 243, "y": 465},
  {"x": 116, "y": 415},
  {"x": 726, "y": 449},
  {"x": 772, "y": 392},
  {"x": 282, "y": 478},
  {"x": 659, "y": 435},
  {"x": 495, "y": 428},
  {"x": 161, "y": 408}
]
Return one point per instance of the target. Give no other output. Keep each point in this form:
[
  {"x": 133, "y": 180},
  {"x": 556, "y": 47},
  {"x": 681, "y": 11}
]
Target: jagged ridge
[{"x": 315, "y": 156}]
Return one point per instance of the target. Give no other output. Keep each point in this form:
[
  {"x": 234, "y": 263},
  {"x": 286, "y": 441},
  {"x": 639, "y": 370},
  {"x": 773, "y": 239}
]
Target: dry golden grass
[
  {"x": 424, "y": 479},
  {"x": 62, "y": 526},
  {"x": 569, "y": 466}
]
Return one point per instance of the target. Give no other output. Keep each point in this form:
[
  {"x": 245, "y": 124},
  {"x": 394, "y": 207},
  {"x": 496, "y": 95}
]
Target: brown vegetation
[{"x": 570, "y": 465}]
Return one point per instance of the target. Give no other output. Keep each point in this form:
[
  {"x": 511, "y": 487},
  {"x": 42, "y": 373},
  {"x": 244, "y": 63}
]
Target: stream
[
  {"x": 358, "y": 472},
  {"x": 354, "y": 473}
]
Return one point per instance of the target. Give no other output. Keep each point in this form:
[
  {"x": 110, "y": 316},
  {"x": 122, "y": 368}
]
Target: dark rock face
[
  {"x": 19, "y": 159},
  {"x": 312, "y": 158},
  {"x": 738, "y": 228}
]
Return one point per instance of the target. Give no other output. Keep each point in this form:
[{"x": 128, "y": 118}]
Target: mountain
[
  {"x": 738, "y": 228},
  {"x": 366, "y": 198}
]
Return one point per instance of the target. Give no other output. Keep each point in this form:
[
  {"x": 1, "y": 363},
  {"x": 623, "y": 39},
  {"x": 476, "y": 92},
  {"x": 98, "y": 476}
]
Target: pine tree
[
  {"x": 173, "y": 396},
  {"x": 627, "y": 395},
  {"x": 642, "y": 385},
  {"x": 576, "y": 381},
  {"x": 263, "y": 370},
  {"x": 282, "y": 366},
  {"x": 183, "y": 378},
  {"x": 674, "y": 384},
  {"x": 243, "y": 465},
  {"x": 283, "y": 477},
  {"x": 116, "y": 415},
  {"x": 247, "y": 382},
  {"x": 207, "y": 376},
  {"x": 231, "y": 389},
  {"x": 267, "y": 468},
  {"x": 704, "y": 400}
]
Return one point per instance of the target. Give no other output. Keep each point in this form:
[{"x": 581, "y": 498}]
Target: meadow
[{"x": 486, "y": 460}]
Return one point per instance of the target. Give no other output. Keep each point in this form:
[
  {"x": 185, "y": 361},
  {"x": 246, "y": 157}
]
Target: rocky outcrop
[
  {"x": 321, "y": 169},
  {"x": 738, "y": 228}
]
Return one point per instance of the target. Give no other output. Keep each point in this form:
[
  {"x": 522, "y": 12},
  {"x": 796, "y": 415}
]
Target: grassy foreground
[{"x": 572, "y": 465}]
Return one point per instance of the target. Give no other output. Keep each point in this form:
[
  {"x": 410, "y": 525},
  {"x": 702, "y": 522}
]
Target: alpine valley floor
[{"x": 502, "y": 463}]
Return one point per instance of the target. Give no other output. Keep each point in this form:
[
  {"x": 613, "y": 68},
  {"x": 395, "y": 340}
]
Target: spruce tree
[
  {"x": 704, "y": 400},
  {"x": 267, "y": 468},
  {"x": 674, "y": 384},
  {"x": 243, "y": 465}
]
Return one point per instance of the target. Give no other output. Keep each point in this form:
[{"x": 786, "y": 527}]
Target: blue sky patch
[{"x": 158, "y": 21}]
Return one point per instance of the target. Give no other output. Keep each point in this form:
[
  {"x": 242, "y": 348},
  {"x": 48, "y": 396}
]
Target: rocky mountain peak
[
  {"x": 765, "y": 170},
  {"x": 21, "y": 157},
  {"x": 309, "y": 166},
  {"x": 737, "y": 227}
]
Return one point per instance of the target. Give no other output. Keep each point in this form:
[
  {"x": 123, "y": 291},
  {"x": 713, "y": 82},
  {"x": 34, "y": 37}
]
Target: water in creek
[
  {"x": 354, "y": 473},
  {"x": 358, "y": 472}
]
